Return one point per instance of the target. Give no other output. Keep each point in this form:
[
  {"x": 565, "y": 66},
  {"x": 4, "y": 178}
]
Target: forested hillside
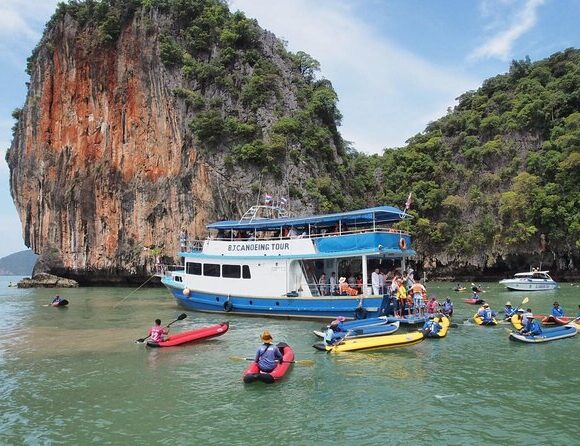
[{"x": 495, "y": 182}]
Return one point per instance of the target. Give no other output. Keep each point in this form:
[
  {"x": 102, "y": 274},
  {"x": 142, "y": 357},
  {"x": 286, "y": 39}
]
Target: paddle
[
  {"x": 478, "y": 287},
  {"x": 306, "y": 362},
  {"x": 179, "y": 318}
]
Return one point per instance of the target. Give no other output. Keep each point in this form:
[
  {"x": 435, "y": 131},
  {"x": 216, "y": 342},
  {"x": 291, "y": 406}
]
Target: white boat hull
[{"x": 528, "y": 285}]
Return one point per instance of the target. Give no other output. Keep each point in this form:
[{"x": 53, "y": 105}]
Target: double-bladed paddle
[
  {"x": 179, "y": 318},
  {"x": 307, "y": 362}
]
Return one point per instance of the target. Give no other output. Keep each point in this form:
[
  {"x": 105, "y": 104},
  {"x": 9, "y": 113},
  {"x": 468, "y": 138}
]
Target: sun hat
[
  {"x": 521, "y": 310},
  {"x": 508, "y": 303},
  {"x": 342, "y": 279},
  {"x": 529, "y": 315},
  {"x": 266, "y": 336},
  {"x": 486, "y": 305}
]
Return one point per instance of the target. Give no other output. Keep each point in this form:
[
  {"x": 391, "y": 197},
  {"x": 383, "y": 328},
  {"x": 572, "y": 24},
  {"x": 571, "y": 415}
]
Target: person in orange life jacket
[
  {"x": 157, "y": 332},
  {"x": 557, "y": 310},
  {"x": 532, "y": 327},
  {"x": 267, "y": 353}
]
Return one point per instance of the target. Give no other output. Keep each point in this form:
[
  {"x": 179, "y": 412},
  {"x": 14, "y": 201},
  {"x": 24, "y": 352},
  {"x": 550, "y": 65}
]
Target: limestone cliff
[{"x": 113, "y": 154}]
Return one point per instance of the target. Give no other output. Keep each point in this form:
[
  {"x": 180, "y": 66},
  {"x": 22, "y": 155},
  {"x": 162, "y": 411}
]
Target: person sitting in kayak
[
  {"x": 334, "y": 327},
  {"x": 477, "y": 297},
  {"x": 557, "y": 310},
  {"x": 447, "y": 309},
  {"x": 578, "y": 314},
  {"x": 57, "y": 300},
  {"x": 267, "y": 354},
  {"x": 157, "y": 332},
  {"x": 532, "y": 327},
  {"x": 431, "y": 328},
  {"x": 509, "y": 310},
  {"x": 485, "y": 313}
]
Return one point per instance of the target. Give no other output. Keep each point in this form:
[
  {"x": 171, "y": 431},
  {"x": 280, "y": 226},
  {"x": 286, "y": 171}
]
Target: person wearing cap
[
  {"x": 557, "y": 310},
  {"x": 532, "y": 327},
  {"x": 447, "y": 309},
  {"x": 267, "y": 353},
  {"x": 345, "y": 289},
  {"x": 509, "y": 310},
  {"x": 485, "y": 313}
]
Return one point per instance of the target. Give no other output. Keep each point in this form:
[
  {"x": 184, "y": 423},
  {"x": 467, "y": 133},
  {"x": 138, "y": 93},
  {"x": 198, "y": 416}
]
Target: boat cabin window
[
  {"x": 211, "y": 269},
  {"x": 246, "y": 272},
  {"x": 193, "y": 268},
  {"x": 231, "y": 271}
]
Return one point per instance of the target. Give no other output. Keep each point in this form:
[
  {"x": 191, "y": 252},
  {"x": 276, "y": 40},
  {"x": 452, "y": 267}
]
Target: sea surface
[{"x": 75, "y": 376}]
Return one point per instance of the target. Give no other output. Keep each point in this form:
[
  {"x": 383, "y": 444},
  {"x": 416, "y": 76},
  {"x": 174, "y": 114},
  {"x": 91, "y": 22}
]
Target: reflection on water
[{"x": 76, "y": 376}]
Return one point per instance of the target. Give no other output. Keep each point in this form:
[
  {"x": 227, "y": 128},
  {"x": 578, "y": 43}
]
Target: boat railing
[{"x": 197, "y": 244}]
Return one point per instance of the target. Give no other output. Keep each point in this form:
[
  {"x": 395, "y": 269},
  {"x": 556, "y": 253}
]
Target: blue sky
[{"x": 395, "y": 64}]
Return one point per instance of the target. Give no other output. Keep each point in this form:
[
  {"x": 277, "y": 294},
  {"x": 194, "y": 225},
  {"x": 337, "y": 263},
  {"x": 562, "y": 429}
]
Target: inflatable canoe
[
  {"x": 252, "y": 373},
  {"x": 479, "y": 320},
  {"x": 444, "y": 322},
  {"x": 409, "y": 320},
  {"x": 373, "y": 343},
  {"x": 62, "y": 303},
  {"x": 553, "y": 320},
  {"x": 352, "y": 325},
  {"x": 548, "y": 334},
  {"x": 473, "y": 301},
  {"x": 192, "y": 335},
  {"x": 371, "y": 330}
]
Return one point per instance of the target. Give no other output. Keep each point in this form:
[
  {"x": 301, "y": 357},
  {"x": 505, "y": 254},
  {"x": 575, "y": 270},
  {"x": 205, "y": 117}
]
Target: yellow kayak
[
  {"x": 377, "y": 342},
  {"x": 444, "y": 322},
  {"x": 516, "y": 321},
  {"x": 479, "y": 320}
]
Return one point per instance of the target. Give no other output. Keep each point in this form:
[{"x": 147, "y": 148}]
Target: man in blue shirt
[
  {"x": 532, "y": 327},
  {"x": 267, "y": 353},
  {"x": 509, "y": 310},
  {"x": 431, "y": 328},
  {"x": 557, "y": 310}
]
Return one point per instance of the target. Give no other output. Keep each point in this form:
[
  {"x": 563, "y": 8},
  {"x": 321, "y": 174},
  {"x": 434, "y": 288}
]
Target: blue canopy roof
[{"x": 380, "y": 214}]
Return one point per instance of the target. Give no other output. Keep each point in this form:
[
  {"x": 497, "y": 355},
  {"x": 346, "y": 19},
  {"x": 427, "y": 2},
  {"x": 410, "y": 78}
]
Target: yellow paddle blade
[
  {"x": 526, "y": 300},
  {"x": 237, "y": 358},
  {"x": 306, "y": 362}
]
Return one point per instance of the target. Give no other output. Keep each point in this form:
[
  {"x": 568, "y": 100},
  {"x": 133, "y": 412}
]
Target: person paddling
[
  {"x": 509, "y": 310},
  {"x": 486, "y": 314},
  {"x": 557, "y": 310},
  {"x": 56, "y": 301},
  {"x": 267, "y": 354},
  {"x": 157, "y": 332},
  {"x": 532, "y": 327},
  {"x": 447, "y": 309},
  {"x": 431, "y": 328}
]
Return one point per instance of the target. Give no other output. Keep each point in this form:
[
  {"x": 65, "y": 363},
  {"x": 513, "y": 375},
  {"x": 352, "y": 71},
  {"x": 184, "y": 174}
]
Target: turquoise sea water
[{"x": 74, "y": 376}]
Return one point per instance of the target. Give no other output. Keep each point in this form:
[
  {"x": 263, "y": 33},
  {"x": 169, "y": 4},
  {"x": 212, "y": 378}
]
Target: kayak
[
  {"x": 361, "y": 332},
  {"x": 444, "y": 322},
  {"x": 192, "y": 335},
  {"x": 62, "y": 303},
  {"x": 473, "y": 301},
  {"x": 373, "y": 343},
  {"x": 352, "y": 325},
  {"x": 253, "y": 373},
  {"x": 516, "y": 322},
  {"x": 553, "y": 320},
  {"x": 479, "y": 320},
  {"x": 548, "y": 334},
  {"x": 460, "y": 289},
  {"x": 410, "y": 320}
]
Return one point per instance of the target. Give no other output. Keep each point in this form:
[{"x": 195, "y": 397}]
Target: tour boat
[
  {"x": 531, "y": 281},
  {"x": 270, "y": 264}
]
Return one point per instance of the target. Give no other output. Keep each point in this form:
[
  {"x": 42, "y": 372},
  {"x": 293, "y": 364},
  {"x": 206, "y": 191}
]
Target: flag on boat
[
  {"x": 408, "y": 202},
  {"x": 283, "y": 201},
  {"x": 267, "y": 199}
]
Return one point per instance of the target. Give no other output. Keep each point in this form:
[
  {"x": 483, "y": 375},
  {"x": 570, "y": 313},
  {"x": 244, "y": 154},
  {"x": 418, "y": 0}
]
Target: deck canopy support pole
[{"x": 364, "y": 275}]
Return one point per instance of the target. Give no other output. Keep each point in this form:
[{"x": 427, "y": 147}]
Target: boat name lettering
[{"x": 259, "y": 247}]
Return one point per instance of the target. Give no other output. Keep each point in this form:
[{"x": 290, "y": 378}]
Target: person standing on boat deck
[
  {"x": 359, "y": 284},
  {"x": 157, "y": 332},
  {"x": 532, "y": 327},
  {"x": 557, "y": 310},
  {"x": 345, "y": 289},
  {"x": 417, "y": 290},
  {"x": 267, "y": 353},
  {"x": 333, "y": 284},
  {"x": 509, "y": 310},
  {"x": 402, "y": 297},
  {"x": 381, "y": 283},
  {"x": 376, "y": 282},
  {"x": 183, "y": 240},
  {"x": 322, "y": 287}
]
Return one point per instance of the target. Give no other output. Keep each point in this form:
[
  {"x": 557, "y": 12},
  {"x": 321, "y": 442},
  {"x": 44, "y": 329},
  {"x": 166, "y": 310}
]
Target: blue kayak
[
  {"x": 548, "y": 334},
  {"x": 412, "y": 320},
  {"x": 363, "y": 332},
  {"x": 351, "y": 325}
]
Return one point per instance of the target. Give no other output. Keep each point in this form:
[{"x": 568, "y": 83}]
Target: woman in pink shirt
[
  {"x": 432, "y": 306},
  {"x": 158, "y": 332}
]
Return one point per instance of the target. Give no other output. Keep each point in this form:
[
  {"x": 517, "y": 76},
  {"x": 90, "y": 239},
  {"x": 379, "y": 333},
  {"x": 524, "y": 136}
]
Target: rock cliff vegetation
[{"x": 145, "y": 117}]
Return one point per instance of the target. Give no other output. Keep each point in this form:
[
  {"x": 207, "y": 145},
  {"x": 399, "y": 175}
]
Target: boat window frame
[
  {"x": 246, "y": 273},
  {"x": 231, "y": 271},
  {"x": 189, "y": 269},
  {"x": 211, "y": 266}
]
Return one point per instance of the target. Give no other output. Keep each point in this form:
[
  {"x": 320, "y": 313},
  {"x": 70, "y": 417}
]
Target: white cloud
[
  {"x": 383, "y": 89},
  {"x": 500, "y": 45}
]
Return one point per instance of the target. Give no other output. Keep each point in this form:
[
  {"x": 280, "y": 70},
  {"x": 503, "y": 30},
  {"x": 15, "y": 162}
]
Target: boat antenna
[{"x": 259, "y": 190}]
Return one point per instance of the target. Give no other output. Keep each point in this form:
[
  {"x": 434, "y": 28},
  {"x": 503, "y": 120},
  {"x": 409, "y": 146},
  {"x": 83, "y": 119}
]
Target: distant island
[{"x": 18, "y": 264}]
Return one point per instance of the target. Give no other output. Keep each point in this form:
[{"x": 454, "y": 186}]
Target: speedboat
[{"x": 531, "y": 281}]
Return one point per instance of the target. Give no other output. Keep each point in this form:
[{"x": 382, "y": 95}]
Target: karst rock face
[{"x": 105, "y": 172}]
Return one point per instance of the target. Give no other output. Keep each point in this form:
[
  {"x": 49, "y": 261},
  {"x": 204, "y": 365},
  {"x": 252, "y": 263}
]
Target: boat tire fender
[
  {"x": 360, "y": 313},
  {"x": 228, "y": 306}
]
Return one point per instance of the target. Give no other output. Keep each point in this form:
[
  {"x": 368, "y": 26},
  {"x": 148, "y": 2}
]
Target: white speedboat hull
[{"x": 528, "y": 284}]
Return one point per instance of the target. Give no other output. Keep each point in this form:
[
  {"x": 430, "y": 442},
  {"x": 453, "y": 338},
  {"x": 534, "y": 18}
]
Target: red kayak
[
  {"x": 473, "y": 301},
  {"x": 253, "y": 373},
  {"x": 192, "y": 335},
  {"x": 553, "y": 320}
]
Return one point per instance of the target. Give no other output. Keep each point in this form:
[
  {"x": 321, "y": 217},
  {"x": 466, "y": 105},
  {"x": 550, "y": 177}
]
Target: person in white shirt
[
  {"x": 375, "y": 282},
  {"x": 333, "y": 290}
]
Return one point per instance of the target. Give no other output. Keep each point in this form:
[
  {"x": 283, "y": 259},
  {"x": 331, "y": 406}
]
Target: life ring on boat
[
  {"x": 360, "y": 313},
  {"x": 186, "y": 291},
  {"x": 402, "y": 243},
  {"x": 228, "y": 306}
]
